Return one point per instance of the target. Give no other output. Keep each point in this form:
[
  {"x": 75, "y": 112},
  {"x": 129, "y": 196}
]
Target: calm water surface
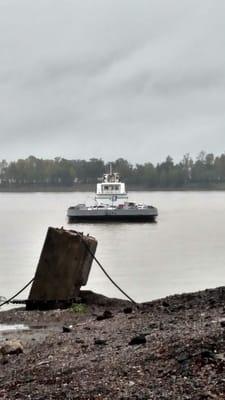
[{"x": 184, "y": 251}]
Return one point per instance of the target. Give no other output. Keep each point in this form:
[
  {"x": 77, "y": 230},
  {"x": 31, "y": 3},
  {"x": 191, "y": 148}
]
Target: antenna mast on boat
[{"x": 110, "y": 168}]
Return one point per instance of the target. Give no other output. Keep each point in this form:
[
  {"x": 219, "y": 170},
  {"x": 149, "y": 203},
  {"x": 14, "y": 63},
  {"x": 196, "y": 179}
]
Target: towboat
[{"x": 117, "y": 207}]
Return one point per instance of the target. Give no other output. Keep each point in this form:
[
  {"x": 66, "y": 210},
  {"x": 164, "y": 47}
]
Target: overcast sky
[{"x": 112, "y": 78}]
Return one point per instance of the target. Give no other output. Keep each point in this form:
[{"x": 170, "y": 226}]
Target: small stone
[
  {"x": 127, "y": 310},
  {"x": 222, "y": 323},
  {"x": 140, "y": 339},
  {"x": 183, "y": 357},
  {"x": 12, "y": 347},
  {"x": 106, "y": 315},
  {"x": 153, "y": 325},
  {"x": 67, "y": 329},
  {"x": 4, "y": 360},
  {"x": 100, "y": 342},
  {"x": 207, "y": 354},
  {"x": 161, "y": 327},
  {"x": 78, "y": 340}
]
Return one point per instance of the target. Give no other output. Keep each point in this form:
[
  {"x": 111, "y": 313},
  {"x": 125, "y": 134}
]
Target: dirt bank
[{"x": 173, "y": 348}]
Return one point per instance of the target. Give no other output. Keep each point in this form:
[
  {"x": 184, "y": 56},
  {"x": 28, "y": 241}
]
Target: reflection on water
[
  {"x": 15, "y": 327},
  {"x": 184, "y": 251}
]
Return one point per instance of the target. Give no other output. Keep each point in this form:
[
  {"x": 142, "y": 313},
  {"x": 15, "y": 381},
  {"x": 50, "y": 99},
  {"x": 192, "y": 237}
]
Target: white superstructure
[{"x": 111, "y": 187}]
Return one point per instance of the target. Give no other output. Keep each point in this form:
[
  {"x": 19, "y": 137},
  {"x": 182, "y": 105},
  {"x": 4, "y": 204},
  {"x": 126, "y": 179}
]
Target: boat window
[{"x": 111, "y": 188}]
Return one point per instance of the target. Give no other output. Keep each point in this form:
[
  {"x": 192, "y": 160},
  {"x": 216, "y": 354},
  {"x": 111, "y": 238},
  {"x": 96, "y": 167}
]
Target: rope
[
  {"x": 103, "y": 269},
  {"x": 94, "y": 258},
  {"x": 20, "y": 291}
]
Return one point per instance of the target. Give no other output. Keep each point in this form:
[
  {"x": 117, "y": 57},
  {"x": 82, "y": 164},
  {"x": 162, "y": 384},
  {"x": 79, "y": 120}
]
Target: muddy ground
[{"x": 172, "y": 348}]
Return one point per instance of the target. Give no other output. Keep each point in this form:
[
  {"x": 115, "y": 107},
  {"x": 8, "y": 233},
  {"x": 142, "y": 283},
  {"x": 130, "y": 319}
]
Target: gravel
[{"x": 177, "y": 351}]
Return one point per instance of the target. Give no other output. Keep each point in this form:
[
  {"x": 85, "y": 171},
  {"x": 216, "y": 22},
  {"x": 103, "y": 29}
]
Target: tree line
[{"x": 205, "y": 171}]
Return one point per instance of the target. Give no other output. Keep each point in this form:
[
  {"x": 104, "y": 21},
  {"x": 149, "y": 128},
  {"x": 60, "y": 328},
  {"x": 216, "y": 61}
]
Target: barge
[{"x": 116, "y": 209}]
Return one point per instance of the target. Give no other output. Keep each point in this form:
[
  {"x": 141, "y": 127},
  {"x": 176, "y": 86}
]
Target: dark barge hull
[{"x": 114, "y": 218}]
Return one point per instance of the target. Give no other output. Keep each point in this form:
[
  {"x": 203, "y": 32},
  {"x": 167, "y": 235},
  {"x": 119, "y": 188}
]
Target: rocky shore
[{"x": 172, "y": 348}]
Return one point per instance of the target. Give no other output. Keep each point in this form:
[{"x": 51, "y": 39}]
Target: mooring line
[
  {"x": 20, "y": 291},
  {"x": 103, "y": 269},
  {"x": 94, "y": 258}
]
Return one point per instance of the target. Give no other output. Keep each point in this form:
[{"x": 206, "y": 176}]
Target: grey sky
[{"x": 112, "y": 78}]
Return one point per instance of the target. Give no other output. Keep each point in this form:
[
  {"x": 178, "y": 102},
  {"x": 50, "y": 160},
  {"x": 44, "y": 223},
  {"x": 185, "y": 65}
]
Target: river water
[{"x": 184, "y": 251}]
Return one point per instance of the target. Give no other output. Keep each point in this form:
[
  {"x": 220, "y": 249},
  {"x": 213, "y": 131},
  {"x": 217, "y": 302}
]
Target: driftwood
[{"x": 63, "y": 267}]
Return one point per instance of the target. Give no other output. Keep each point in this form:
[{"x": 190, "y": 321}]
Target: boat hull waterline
[{"x": 147, "y": 214}]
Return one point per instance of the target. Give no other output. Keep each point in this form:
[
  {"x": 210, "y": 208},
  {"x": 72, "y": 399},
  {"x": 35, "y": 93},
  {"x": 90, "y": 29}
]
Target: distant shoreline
[{"x": 92, "y": 187}]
